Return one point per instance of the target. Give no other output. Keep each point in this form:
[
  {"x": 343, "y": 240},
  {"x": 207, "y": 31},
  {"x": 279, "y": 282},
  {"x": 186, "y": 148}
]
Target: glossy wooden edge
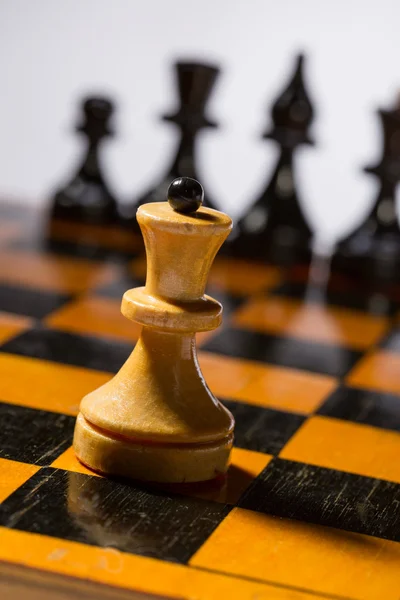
[{"x": 17, "y": 582}]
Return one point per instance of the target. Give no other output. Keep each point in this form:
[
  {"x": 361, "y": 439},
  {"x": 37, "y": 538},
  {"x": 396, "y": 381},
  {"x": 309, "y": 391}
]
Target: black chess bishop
[
  {"x": 195, "y": 83},
  {"x": 86, "y": 197},
  {"x": 274, "y": 228}
]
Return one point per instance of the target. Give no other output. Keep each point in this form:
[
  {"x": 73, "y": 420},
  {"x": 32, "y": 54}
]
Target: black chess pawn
[
  {"x": 372, "y": 251},
  {"x": 195, "y": 84},
  {"x": 275, "y": 228},
  {"x": 86, "y": 197}
]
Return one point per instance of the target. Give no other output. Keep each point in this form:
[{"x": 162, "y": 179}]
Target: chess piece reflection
[
  {"x": 275, "y": 227},
  {"x": 195, "y": 84},
  {"x": 86, "y": 198},
  {"x": 134, "y": 518},
  {"x": 88, "y": 505},
  {"x": 156, "y": 419}
]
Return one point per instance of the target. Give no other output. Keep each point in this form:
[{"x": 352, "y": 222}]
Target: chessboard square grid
[
  {"x": 311, "y": 322},
  {"x": 363, "y": 406},
  {"x": 102, "y": 354},
  {"x": 288, "y": 352},
  {"x": 346, "y": 446},
  {"x": 33, "y": 436},
  {"x": 303, "y": 557},
  {"x": 103, "y": 512},
  {"x": 326, "y": 497}
]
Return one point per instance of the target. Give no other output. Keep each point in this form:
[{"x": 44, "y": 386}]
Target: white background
[{"x": 51, "y": 53}]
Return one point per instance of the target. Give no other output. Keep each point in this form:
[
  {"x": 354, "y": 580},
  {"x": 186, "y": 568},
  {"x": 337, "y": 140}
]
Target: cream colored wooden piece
[{"x": 157, "y": 420}]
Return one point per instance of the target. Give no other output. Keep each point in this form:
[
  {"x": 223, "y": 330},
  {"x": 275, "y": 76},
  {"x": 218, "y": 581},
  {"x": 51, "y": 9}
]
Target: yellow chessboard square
[
  {"x": 95, "y": 316},
  {"x": 293, "y": 318},
  {"x": 346, "y": 446},
  {"x": 303, "y": 556},
  {"x": 13, "y": 475}
]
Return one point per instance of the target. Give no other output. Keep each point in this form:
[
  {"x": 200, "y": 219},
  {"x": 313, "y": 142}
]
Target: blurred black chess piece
[
  {"x": 86, "y": 197},
  {"x": 372, "y": 251},
  {"x": 195, "y": 84},
  {"x": 274, "y": 228}
]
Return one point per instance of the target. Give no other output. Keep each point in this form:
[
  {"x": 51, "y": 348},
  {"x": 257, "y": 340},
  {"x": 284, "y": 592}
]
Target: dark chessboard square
[
  {"x": 326, "y": 497},
  {"x": 370, "y": 303},
  {"x": 392, "y": 340},
  {"x": 29, "y": 302},
  {"x": 363, "y": 406},
  {"x": 104, "y": 512},
  {"x": 288, "y": 352},
  {"x": 262, "y": 429},
  {"x": 33, "y": 436},
  {"x": 81, "y": 350}
]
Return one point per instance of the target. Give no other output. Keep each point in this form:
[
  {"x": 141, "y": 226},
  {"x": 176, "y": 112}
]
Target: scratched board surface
[{"x": 311, "y": 505}]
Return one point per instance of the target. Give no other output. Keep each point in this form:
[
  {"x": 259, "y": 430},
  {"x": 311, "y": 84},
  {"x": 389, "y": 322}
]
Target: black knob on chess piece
[
  {"x": 275, "y": 229},
  {"x": 195, "y": 83},
  {"x": 185, "y": 195},
  {"x": 86, "y": 197}
]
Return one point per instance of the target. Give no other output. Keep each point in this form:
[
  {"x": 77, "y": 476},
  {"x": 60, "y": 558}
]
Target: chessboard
[{"x": 310, "y": 505}]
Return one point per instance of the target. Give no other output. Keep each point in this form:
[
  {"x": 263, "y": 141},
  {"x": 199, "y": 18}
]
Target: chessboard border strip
[{"x": 239, "y": 587}]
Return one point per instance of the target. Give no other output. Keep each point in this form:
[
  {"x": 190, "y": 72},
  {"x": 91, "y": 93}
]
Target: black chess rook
[{"x": 195, "y": 84}]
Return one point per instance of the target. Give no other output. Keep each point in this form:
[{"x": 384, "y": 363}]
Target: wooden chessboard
[{"x": 311, "y": 505}]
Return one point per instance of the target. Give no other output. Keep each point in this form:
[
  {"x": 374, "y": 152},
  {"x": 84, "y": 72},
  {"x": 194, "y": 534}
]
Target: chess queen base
[{"x": 172, "y": 463}]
